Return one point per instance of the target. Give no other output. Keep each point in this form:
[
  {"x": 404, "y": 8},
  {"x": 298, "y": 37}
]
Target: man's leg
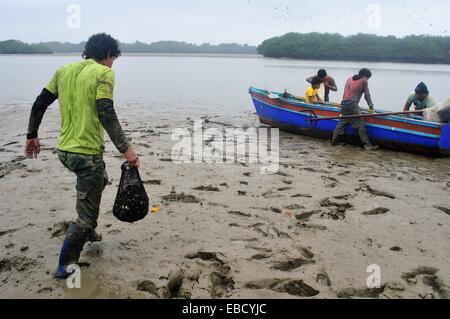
[
  {"x": 360, "y": 126},
  {"x": 339, "y": 132},
  {"x": 90, "y": 172}
]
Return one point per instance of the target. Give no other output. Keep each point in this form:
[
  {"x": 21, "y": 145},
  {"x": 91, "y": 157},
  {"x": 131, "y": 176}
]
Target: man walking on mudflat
[{"x": 85, "y": 93}]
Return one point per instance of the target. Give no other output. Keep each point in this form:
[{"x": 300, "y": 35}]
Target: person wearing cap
[
  {"x": 328, "y": 82},
  {"x": 421, "y": 99}
]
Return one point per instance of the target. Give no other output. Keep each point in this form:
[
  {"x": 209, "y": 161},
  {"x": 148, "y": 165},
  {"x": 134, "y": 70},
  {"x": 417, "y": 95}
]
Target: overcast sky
[{"x": 214, "y": 21}]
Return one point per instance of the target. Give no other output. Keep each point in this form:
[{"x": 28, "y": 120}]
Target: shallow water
[{"x": 195, "y": 85}]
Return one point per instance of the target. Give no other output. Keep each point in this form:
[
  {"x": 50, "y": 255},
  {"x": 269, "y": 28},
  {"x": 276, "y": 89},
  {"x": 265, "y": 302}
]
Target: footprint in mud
[
  {"x": 7, "y": 232},
  {"x": 60, "y": 229},
  {"x": 205, "y": 256},
  {"x": 369, "y": 189},
  {"x": 283, "y": 189},
  {"x": 261, "y": 256},
  {"x": 261, "y": 249},
  {"x": 115, "y": 232},
  {"x": 331, "y": 182},
  {"x": 323, "y": 279},
  {"x": 301, "y": 196},
  {"x": 220, "y": 279},
  {"x": 361, "y": 292},
  {"x": 377, "y": 211},
  {"x": 174, "y": 284},
  {"x": 296, "y": 288},
  {"x": 311, "y": 226},
  {"x": 294, "y": 207},
  {"x": 276, "y": 210},
  {"x": 420, "y": 271},
  {"x": 183, "y": 198},
  {"x": 8, "y": 167},
  {"x": 148, "y": 286},
  {"x": 430, "y": 279},
  {"x": 305, "y": 252},
  {"x": 344, "y": 197},
  {"x": 443, "y": 209},
  {"x": 337, "y": 210},
  {"x": 220, "y": 284},
  {"x": 19, "y": 264},
  {"x": 292, "y": 264},
  {"x": 240, "y": 214},
  {"x": 306, "y": 216},
  {"x": 45, "y": 290},
  {"x": 207, "y": 188}
]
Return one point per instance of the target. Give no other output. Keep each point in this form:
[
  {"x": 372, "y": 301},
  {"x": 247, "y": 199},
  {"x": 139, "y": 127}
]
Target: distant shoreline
[{"x": 232, "y": 55}]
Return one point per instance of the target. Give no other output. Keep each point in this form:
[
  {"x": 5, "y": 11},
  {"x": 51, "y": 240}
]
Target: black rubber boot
[{"x": 71, "y": 250}]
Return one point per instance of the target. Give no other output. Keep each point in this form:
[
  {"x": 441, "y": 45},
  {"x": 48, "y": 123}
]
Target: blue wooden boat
[{"x": 395, "y": 132}]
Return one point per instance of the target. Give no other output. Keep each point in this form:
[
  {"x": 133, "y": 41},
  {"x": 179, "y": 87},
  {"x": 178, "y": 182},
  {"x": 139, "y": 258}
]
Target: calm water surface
[{"x": 196, "y": 85}]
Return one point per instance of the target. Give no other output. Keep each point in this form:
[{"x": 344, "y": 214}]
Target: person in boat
[
  {"x": 328, "y": 82},
  {"x": 312, "y": 93},
  {"x": 354, "y": 89},
  {"x": 421, "y": 99},
  {"x": 85, "y": 93}
]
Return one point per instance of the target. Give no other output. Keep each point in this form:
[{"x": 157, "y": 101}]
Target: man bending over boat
[
  {"x": 354, "y": 89},
  {"x": 421, "y": 99},
  {"x": 328, "y": 82},
  {"x": 85, "y": 93}
]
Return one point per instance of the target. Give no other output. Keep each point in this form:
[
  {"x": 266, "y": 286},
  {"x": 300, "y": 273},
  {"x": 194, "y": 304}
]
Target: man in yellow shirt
[
  {"x": 312, "y": 93},
  {"x": 85, "y": 93}
]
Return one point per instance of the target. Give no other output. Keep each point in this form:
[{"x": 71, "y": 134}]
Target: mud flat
[{"x": 310, "y": 231}]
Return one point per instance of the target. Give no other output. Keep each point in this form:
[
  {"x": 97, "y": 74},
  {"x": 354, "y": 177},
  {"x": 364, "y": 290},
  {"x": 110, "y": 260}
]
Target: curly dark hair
[
  {"x": 101, "y": 46},
  {"x": 363, "y": 73}
]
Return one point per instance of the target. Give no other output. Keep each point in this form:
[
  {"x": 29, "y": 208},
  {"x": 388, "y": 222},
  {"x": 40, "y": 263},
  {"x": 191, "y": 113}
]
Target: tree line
[
  {"x": 360, "y": 47},
  {"x": 18, "y": 47}
]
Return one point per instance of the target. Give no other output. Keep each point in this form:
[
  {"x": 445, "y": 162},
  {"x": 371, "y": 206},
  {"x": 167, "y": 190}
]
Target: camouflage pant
[
  {"x": 91, "y": 181},
  {"x": 358, "y": 124}
]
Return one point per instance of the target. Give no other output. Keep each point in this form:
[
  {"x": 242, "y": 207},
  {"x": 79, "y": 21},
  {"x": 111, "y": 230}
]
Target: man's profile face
[{"x": 109, "y": 62}]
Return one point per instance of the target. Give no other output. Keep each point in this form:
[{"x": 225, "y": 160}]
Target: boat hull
[{"x": 391, "y": 132}]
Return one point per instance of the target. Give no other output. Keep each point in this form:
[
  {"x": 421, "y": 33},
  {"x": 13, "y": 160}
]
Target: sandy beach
[{"x": 310, "y": 231}]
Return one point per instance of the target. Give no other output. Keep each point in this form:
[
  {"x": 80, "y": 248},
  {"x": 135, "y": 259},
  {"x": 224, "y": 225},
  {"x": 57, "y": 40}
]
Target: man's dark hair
[
  {"x": 316, "y": 81},
  {"x": 422, "y": 89},
  {"x": 322, "y": 73},
  {"x": 363, "y": 73},
  {"x": 101, "y": 46}
]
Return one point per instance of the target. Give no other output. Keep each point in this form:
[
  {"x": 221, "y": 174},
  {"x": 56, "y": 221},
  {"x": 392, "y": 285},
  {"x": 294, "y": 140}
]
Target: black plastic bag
[{"x": 132, "y": 202}]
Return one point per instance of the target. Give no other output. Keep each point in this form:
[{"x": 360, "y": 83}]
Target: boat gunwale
[{"x": 395, "y": 118}]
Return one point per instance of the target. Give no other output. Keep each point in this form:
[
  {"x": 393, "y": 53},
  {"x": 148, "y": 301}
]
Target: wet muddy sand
[{"x": 226, "y": 231}]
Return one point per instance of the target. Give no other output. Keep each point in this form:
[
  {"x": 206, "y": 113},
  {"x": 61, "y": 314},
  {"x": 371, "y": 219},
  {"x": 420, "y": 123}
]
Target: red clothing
[{"x": 354, "y": 89}]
